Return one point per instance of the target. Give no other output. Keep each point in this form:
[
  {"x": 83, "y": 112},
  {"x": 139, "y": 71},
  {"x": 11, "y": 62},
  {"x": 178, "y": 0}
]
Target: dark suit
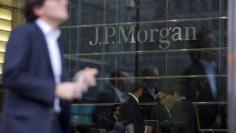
[
  {"x": 28, "y": 77},
  {"x": 183, "y": 118},
  {"x": 108, "y": 96},
  {"x": 147, "y": 97},
  {"x": 130, "y": 113},
  {"x": 161, "y": 114}
]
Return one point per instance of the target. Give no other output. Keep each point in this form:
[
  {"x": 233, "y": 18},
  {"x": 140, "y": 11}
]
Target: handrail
[
  {"x": 198, "y": 120},
  {"x": 213, "y": 130},
  {"x": 149, "y": 103},
  {"x": 197, "y": 117}
]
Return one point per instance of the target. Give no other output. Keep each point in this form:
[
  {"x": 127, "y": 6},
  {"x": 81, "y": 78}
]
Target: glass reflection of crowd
[
  {"x": 116, "y": 92},
  {"x": 144, "y": 107}
]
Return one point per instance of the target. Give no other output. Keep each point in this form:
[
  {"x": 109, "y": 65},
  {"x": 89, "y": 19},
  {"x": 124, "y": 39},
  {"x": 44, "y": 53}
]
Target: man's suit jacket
[
  {"x": 108, "y": 96},
  {"x": 183, "y": 118},
  {"x": 130, "y": 113},
  {"x": 147, "y": 98},
  {"x": 30, "y": 84},
  {"x": 160, "y": 113}
]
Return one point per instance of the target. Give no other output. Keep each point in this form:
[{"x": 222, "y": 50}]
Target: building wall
[
  {"x": 10, "y": 17},
  {"x": 159, "y": 33}
]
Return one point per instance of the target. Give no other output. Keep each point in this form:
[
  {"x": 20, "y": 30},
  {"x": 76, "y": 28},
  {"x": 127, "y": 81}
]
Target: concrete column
[{"x": 231, "y": 66}]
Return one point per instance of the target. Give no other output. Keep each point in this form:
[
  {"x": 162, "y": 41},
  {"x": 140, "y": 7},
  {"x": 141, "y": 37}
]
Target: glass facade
[
  {"x": 170, "y": 47},
  {"x": 163, "y": 44}
]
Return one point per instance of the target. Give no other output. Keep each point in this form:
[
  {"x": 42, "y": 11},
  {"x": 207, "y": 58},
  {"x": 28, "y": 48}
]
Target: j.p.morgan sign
[{"x": 132, "y": 35}]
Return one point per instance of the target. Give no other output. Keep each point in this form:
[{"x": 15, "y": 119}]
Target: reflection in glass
[{"x": 194, "y": 61}]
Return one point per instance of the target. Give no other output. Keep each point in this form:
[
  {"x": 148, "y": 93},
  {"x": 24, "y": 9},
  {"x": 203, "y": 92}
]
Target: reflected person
[
  {"x": 204, "y": 62},
  {"x": 184, "y": 119},
  {"x": 206, "y": 88},
  {"x": 117, "y": 92},
  {"x": 118, "y": 126},
  {"x": 130, "y": 111},
  {"x": 150, "y": 88},
  {"x": 161, "y": 113}
]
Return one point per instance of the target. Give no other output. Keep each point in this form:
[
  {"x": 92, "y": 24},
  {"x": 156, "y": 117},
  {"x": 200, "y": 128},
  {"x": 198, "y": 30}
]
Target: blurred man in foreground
[{"x": 38, "y": 89}]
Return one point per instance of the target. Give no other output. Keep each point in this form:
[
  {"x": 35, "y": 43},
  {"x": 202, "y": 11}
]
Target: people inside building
[
  {"x": 117, "y": 125},
  {"x": 204, "y": 62},
  {"x": 150, "y": 84},
  {"x": 161, "y": 113},
  {"x": 150, "y": 88},
  {"x": 130, "y": 111},
  {"x": 183, "y": 118},
  {"x": 116, "y": 92}
]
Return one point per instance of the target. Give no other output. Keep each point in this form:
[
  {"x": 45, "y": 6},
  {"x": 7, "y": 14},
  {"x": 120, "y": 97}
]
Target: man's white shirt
[{"x": 51, "y": 35}]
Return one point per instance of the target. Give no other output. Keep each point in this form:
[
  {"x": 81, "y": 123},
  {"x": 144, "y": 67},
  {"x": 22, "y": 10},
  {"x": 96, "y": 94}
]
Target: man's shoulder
[
  {"x": 24, "y": 28},
  {"x": 106, "y": 96},
  {"x": 131, "y": 100}
]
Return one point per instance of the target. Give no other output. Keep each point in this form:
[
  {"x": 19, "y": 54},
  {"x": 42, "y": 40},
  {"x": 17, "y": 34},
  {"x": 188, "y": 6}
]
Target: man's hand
[
  {"x": 66, "y": 91},
  {"x": 87, "y": 76},
  {"x": 72, "y": 90},
  {"x": 148, "y": 129}
]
